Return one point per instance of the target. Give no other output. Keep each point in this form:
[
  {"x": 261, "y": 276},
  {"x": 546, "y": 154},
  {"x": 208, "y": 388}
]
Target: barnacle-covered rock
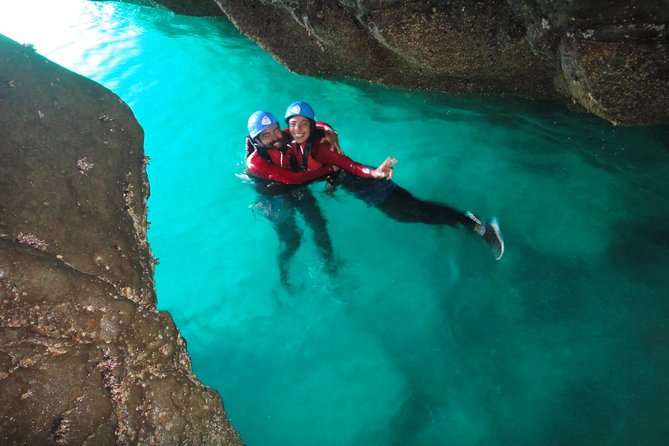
[
  {"x": 85, "y": 357},
  {"x": 606, "y": 57}
]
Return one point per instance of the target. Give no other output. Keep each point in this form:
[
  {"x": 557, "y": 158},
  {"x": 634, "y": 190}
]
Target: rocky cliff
[
  {"x": 609, "y": 57},
  {"x": 85, "y": 357}
]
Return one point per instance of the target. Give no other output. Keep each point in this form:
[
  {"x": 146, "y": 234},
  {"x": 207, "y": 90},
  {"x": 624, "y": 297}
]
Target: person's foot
[
  {"x": 490, "y": 233},
  {"x": 493, "y": 238}
]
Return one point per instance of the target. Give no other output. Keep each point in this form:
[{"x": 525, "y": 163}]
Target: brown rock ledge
[
  {"x": 607, "y": 57},
  {"x": 85, "y": 357}
]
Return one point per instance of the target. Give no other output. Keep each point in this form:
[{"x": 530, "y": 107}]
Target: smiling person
[
  {"x": 373, "y": 186},
  {"x": 281, "y": 185}
]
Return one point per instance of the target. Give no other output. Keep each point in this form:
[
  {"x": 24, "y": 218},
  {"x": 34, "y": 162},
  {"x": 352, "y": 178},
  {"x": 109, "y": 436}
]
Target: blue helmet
[
  {"x": 260, "y": 121},
  {"x": 300, "y": 108}
]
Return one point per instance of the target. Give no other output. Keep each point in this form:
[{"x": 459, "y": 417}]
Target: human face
[
  {"x": 271, "y": 136},
  {"x": 300, "y": 128}
]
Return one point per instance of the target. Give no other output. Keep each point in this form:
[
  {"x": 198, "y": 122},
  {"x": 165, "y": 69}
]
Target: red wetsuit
[
  {"x": 319, "y": 164},
  {"x": 279, "y": 169},
  {"x": 322, "y": 153}
]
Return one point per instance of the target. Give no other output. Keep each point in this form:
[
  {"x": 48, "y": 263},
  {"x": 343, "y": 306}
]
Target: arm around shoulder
[{"x": 260, "y": 168}]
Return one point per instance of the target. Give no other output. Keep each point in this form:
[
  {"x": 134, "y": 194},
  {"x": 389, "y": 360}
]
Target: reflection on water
[{"x": 422, "y": 338}]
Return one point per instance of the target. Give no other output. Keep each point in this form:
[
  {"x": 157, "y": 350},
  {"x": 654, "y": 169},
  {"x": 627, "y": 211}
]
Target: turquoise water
[{"x": 422, "y": 338}]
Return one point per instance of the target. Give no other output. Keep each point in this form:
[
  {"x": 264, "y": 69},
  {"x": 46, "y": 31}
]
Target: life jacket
[
  {"x": 303, "y": 153},
  {"x": 284, "y": 158},
  {"x": 293, "y": 157}
]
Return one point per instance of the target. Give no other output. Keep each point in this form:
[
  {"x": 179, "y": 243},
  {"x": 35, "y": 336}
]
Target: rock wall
[
  {"x": 609, "y": 57},
  {"x": 458, "y": 46},
  {"x": 85, "y": 357}
]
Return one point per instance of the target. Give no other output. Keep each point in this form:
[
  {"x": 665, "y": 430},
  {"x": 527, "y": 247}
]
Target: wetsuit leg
[
  {"x": 306, "y": 203},
  {"x": 289, "y": 242},
  {"x": 279, "y": 209},
  {"x": 402, "y": 206},
  {"x": 398, "y": 203}
]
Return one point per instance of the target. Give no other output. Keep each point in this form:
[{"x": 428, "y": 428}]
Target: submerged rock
[
  {"x": 607, "y": 57},
  {"x": 85, "y": 357}
]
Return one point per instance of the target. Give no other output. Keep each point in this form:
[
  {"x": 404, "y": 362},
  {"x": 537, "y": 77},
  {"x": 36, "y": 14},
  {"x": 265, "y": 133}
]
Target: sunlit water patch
[{"x": 421, "y": 338}]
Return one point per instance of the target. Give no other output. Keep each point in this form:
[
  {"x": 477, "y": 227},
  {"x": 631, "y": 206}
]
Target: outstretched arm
[{"x": 327, "y": 155}]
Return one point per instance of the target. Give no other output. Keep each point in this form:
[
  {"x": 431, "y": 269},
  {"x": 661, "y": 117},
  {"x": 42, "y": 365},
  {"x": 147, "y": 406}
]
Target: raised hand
[
  {"x": 385, "y": 170},
  {"x": 333, "y": 138}
]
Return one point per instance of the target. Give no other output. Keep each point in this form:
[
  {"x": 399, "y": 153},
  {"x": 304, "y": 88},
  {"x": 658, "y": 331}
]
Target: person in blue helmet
[
  {"x": 374, "y": 186},
  {"x": 281, "y": 186}
]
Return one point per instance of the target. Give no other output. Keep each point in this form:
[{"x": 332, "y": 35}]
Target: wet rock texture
[
  {"x": 85, "y": 357},
  {"x": 609, "y": 57}
]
